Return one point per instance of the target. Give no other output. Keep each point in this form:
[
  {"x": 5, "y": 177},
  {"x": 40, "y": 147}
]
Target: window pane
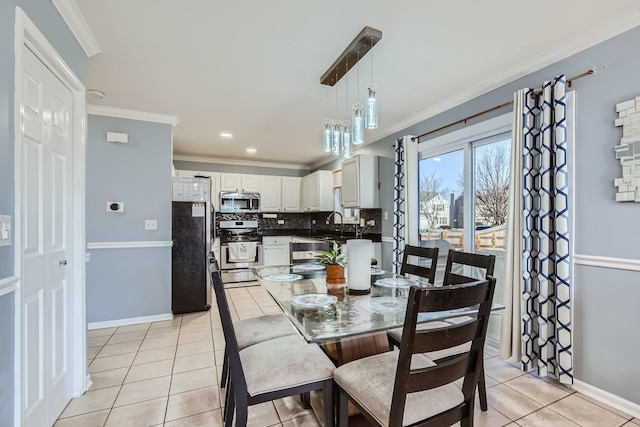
[
  {"x": 441, "y": 209},
  {"x": 491, "y": 187}
]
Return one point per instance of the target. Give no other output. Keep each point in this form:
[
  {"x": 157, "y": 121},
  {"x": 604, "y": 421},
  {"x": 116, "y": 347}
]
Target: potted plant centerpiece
[{"x": 335, "y": 261}]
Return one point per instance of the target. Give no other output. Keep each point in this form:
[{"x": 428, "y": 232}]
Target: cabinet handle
[{"x": 63, "y": 262}]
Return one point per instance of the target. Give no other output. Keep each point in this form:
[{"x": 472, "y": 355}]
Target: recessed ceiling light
[
  {"x": 437, "y": 159},
  {"x": 251, "y": 150},
  {"x": 95, "y": 93},
  {"x": 226, "y": 134}
]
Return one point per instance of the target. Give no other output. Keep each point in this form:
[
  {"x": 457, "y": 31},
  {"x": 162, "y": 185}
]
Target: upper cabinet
[
  {"x": 291, "y": 194},
  {"x": 317, "y": 191},
  {"x": 280, "y": 194},
  {"x": 239, "y": 183},
  {"x": 360, "y": 182}
]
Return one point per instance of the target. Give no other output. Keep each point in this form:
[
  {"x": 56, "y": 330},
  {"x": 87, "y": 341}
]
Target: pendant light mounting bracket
[{"x": 358, "y": 48}]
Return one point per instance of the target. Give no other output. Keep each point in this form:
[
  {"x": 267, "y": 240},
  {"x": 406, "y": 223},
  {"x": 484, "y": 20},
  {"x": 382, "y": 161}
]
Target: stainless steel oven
[{"x": 240, "y": 249}]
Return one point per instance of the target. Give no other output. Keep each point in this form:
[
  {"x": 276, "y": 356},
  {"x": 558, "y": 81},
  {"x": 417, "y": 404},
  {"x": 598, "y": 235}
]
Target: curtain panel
[
  {"x": 399, "y": 214},
  {"x": 546, "y": 281}
]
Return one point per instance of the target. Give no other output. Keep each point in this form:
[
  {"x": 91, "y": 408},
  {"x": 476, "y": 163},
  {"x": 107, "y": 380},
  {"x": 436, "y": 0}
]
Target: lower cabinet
[{"x": 276, "y": 250}]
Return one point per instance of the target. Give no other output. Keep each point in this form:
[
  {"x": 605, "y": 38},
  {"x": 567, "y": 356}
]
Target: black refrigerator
[{"x": 190, "y": 282}]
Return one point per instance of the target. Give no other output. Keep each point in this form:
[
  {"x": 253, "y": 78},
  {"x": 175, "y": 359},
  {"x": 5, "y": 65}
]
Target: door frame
[{"x": 26, "y": 33}]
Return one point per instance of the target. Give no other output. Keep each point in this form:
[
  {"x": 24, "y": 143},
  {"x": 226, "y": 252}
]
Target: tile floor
[{"x": 167, "y": 373}]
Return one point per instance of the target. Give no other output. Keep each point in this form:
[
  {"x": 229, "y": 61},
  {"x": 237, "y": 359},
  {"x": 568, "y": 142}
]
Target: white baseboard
[
  {"x": 87, "y": 385},
  {"x": 492, "y": 342},
  {"x": 130, "y": 321},
  {"x": 607, "y": 398}
]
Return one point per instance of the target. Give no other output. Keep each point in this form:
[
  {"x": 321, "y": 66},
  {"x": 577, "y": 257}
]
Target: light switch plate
[
  {"x": 280, "y": 221},
  {"x": 5, "y": 230},
  {"x": 150, "y": 224}
]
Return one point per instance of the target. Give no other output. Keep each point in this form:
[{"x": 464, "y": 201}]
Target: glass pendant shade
[
  {"x": 346, "y": 140},
  {"x": 327, "y": 137},
  {"x": 337, "y": 138},
  {"x": 372, "y": 109},
  {"x": 357, "y": 124}
]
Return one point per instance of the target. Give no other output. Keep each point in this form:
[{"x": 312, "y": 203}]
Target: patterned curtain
[
  {"x": 546, "y": 303},
  {"x": 399, "y": 218}
]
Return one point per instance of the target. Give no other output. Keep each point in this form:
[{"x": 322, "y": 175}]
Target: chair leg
[
  {"x": 229, "y": 406},
  {"x": 329, "y": 414},
  {"x": 225, "y": 368},
  {"x": 343, "y": 408},
  {"x": 305, "y": 399},
  {"x": 482, "y": 389},
  {"x": 242, "y": 414}
]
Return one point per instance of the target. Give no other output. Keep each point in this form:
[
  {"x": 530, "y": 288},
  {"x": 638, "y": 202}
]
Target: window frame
[{"x": 466, "y": 139}]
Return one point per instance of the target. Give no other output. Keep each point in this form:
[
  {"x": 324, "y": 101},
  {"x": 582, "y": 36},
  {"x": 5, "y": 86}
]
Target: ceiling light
[
  {"x": 251, "y": 150},
  {"x": 437, "y": 159},
  {"x": 95, "y": 93},
  {"x": 332, "y": 141},
  {"x": 226, "y": 134}
]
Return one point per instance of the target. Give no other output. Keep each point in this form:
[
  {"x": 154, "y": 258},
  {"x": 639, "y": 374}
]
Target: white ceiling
[{"x": 254, "y": 67}]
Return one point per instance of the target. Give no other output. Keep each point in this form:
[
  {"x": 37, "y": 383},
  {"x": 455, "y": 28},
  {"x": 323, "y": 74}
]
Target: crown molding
[
  {"x": 239, "y": 162},
  {"x": 74, "y": 19},
  {"x": 102, "y": 110},
  {"x": 598, "y": 34}
]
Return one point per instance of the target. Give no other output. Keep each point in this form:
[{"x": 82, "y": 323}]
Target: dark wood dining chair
[
  {"x": 418, "y": 268},
  {"x": 455, "y": 261},
  {"x": 270, "y": 370},
  {"x": 304, "y": 252},
  {"x": 407, "y": 388}
]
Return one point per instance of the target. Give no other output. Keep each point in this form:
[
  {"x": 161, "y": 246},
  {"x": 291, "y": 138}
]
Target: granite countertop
[{"x": 320, "y": 235}]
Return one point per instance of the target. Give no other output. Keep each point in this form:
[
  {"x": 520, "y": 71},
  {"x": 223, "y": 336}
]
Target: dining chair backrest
[
  {"x": 304, "y": 252},
  {"x": 456, "y": 259},
  {"x": 465, "y": 365},
  {"x": 429, "y": 255},
  {"x": 231, "y": 342}
]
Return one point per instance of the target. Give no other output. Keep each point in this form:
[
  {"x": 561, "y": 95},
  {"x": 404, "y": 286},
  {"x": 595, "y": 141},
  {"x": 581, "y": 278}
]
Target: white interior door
[{"x": 45, "y": 146}]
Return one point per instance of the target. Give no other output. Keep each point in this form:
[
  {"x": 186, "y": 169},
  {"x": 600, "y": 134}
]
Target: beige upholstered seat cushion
[
  {"x": 370, "y": 382},
  {"x": 263, "y": 328},
  {"x": 282, "y": 363}
]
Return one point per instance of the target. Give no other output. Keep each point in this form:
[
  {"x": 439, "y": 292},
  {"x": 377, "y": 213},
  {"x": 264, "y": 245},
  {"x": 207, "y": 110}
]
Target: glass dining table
[{"x": 325, "y": 313}]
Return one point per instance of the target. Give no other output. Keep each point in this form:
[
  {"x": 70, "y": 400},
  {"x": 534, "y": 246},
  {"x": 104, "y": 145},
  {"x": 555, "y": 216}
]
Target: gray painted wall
[
  {"x": 603, "y": 297},
  {"x": 49, "y": 22},
  {"x": 229, "y": 168},
  {"x": 125, "y": 283}
]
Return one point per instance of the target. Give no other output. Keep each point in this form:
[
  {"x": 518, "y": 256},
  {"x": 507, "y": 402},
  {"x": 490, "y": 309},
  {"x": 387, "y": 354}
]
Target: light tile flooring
[{"x": 167, "y": 373}]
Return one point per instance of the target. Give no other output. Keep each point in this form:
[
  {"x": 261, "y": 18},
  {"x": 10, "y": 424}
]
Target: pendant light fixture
[
  {"x": 352, "y": 133},
  {"x": 327, "y": 134},
  {"x": 372, "y": 102}
]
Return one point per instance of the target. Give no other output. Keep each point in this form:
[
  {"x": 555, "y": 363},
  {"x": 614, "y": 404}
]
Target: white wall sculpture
[{"x": 628, "y": 152}]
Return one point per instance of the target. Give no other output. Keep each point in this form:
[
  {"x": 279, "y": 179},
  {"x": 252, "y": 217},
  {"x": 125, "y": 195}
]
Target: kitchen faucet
[{"x": 341, "y": 221}]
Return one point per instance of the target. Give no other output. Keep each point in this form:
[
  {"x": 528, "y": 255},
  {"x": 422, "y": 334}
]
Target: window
[{"x": 463, "y": 188}]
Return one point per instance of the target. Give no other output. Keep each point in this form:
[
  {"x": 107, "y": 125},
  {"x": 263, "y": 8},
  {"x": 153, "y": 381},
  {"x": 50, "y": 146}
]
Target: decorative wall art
[{"x": 628, "y": 152}]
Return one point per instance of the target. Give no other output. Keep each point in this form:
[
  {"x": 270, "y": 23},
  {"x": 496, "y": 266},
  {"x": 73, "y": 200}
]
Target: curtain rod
[{"x": 497, "y": 107}]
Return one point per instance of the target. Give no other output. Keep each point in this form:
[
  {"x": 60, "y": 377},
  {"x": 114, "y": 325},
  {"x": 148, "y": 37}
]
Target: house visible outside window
[{"x": 463, "y": 187}]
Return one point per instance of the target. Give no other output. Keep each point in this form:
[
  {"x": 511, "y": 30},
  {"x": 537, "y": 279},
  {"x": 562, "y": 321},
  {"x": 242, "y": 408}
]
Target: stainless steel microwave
[{"x": 239, "y": 202}]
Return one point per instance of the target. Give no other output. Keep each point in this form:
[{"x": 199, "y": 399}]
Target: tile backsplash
[{"x": 314, "y": 222}]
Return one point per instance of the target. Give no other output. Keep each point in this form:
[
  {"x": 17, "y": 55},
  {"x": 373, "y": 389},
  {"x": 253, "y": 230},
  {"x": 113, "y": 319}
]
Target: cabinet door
[
  {"x": 250, "y": 183},
  {"x": 351, "y": 183},
  {"x": 276, "y": 255},
  {"x": 270, "y": 194},
  {"x": 230, "y": 182},
  {"x": 291, "y": 194},
  {"x": 310, "y": 192}
]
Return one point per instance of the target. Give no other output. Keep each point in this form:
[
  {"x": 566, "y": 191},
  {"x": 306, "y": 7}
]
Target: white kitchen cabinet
[
  {"x": 271, "y": 194},
  {"x": 360, "y": 182},
  {"x": 317, "y": 191},
  {"x": 240, "y": 182},
  {"x": 276, "y": 250},
  {"x": 280, "y": 194},
  {"x": 215, "y": 183},
  {"x": 291, "y": 194}
]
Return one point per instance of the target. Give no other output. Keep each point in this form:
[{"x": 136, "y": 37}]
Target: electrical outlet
[
  {"x": 386, "y": 215},
  {"x": 313, "y": 222},
  {"x": 362, "y": 222},
  {"x": 371, "y": 222},
  {"x": 281, "y": 222},
  {"x": 150, "y": 224}
]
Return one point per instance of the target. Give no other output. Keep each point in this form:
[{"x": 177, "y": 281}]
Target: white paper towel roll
[{"x": 359, "y": 264}]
